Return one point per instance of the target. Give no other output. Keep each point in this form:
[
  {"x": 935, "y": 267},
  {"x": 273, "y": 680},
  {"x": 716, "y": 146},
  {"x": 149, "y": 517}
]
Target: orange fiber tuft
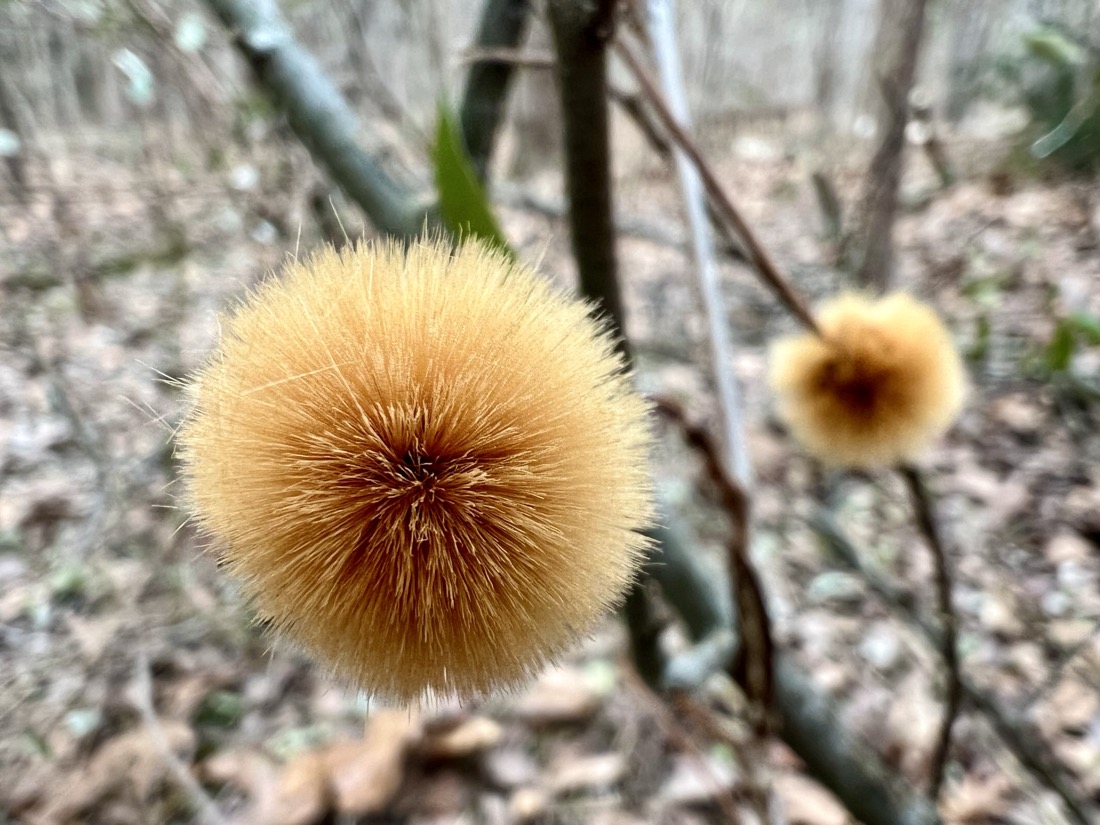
[
  {"x": 882, "y": 382},
  {"x": 426, "y": 466}
]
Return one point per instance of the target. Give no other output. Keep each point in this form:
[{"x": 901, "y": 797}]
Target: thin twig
[
  {"x": 513, "y": 57},
  {"x": 808, "y": 718},
  {"x": 924, "y": 510},
  {"x": 660, "y": 20},
  {"x": 1021, "y": 739},
  {"x": 205, "y": 808},
  {"x": 517, "y": 197},
  {"x": 753, "y": 667},
  {"x": 768, "y": 271}
]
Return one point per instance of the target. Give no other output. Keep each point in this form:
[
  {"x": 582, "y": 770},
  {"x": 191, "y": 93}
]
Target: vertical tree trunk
[
  {"x": 580, "y": 42},
  {"x": 503, "y": 24},
  {"x": 827, "y": 59},
  {"x": 872, "y": 255}
]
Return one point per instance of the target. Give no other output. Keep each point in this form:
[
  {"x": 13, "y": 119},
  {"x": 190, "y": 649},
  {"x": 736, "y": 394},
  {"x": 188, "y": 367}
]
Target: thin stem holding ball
[{"x": 924, "y": 510}]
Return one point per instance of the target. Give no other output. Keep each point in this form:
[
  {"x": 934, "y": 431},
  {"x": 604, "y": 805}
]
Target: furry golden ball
[
  {"x": 425, "y": 465},
  {"x": 881, "y": 382}
]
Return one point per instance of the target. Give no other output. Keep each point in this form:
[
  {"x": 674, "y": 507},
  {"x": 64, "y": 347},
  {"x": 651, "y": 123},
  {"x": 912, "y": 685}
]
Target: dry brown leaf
[
  {"x": 1000, "y": 614},
  {"x": 508, "y": 768},
  {"x": 1068, "y": 546},
  {"x": 571, "y": 773},
  {"x": 94, "y": 634},
  {"x": 807, "y": 803},
  {"x": 470, "y": 736},
  {"x": 976, "y": 801},
  {"x": 366, "y": 774},
  {"x": 1074, "y": 706},
  {"x": 1002, "y": 498},
  {"x": 560, "y": 696},
  {"x": 697, "y": 781},
  {"x": 1017, "y": 412},
  {"x": 528, "y": 804},
  {"x": 252, "y": 773},
  {"x": 303, "y": 795},
  {"x": 131, "y": 759}
]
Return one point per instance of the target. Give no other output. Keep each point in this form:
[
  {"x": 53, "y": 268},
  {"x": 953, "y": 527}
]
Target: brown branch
[
  {"x": 582, "y": 82},
  {"x": 924, "y": 511},
  {"x": 503, "y": 26},
  {"x": 512, "y": 57},
  {"x": 321, "y": 118},
  {"x": 753, "y": 666},
  {"x": 1017, "y": 734},
  {"x": 768, "y": 271},
  {"x": 206, "y": 811},
  {"x": 808, "y": 720},
  {"x": 880, "y": 200}
]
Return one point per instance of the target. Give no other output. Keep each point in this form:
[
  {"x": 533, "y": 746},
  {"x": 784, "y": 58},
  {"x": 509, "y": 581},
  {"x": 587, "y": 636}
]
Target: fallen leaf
[
  {"x": 695, "y": 781},
  {"x": 976, "y": 801},
  {"x": 1018, "y": 413},
  {"x": 131, "y": 759},
  {"x": 560, "y": 696},
  {"x": 805, "y": 802},
  {"x": 253, "y": 774},
  {"x": 510, "y": 768},
  {"x": 468, "y": 737},
  {"x": 366, "y": 774},
  {"x": 1068, "y": 546},
  {"x": 528, "y": 804},
  {"x": 571, "y": 774},
  {"x": 303, "y": 795}
]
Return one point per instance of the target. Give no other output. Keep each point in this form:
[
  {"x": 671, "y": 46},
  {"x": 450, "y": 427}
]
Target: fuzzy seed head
[
  {"x": 882, "y": 381},
  {"x": 425, "y": 466}
]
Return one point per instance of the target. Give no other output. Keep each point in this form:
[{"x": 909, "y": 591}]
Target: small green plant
[
  {"x": 1059, "y": 81},
  {"x": 1073, "y": 331},
  {"x": 1058, "y": 361}
]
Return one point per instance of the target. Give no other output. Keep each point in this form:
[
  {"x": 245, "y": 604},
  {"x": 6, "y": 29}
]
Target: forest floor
[{"x": 134, "y": 688}]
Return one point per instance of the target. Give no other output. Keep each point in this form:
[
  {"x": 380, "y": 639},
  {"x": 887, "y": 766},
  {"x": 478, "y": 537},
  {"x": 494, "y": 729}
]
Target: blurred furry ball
[
  {"x": 425, "y": 465},
  {"x": 878, "y": 386}
]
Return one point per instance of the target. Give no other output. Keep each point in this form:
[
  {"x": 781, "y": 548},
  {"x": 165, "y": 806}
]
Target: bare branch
[
  {"x": 753, "y": 667},
  {"x": 768, "y": 271},
  {"x": 320, "y": 116},
  {"x": 874, "y": 243},
  {"x": 205, "y": 808},
  {"x": 1019, "y": 736},
  {"x": 502, "y": 29},
  {"x": 924, "y": 511},
  {"x": 660, "y": 19}
]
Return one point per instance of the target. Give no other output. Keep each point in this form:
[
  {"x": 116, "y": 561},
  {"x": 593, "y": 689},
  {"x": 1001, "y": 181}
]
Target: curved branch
[
  {"x": 320, "y": 116},
  {"x": 503, "y": 26},
  {"x": 660, "y": 15},
  {"x": 807, "y": 718},
  {"x": 1017, "y": 734},
  {"x": 924, "y": 511}
]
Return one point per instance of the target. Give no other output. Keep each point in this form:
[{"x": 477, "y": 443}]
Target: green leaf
[
  {"x": 1086, "y": 326},
  {"x": 463, "y": 204},
  {"x": 1060, "y": 349},
  {"x": 1055, "y": 48}
]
